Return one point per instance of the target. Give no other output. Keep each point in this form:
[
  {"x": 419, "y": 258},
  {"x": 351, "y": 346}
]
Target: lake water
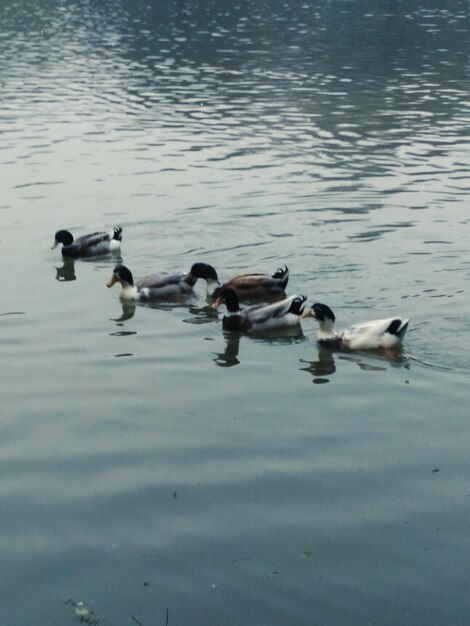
[{"x": 157, "y": 469}]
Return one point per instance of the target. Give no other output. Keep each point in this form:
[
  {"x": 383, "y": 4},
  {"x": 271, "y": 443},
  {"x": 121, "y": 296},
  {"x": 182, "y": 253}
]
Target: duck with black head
[
  {"x": 259, "y": 317},
  {"x": 249, "y": 286},
  {"x": 94, "y": 244},
  {"x": 374, "y": 335},
  {"x": 151, "y": 287}
]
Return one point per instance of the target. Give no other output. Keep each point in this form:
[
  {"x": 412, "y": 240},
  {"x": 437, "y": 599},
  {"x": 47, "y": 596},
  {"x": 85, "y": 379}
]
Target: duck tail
[
  {"x": 117, "y": 233},
  {"x": 298, "y": 304},
  {"x": 282, "y": 274},
  {"x": 398, "y": 327}
]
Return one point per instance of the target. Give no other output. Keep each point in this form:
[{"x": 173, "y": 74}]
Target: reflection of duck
[
  {"x": 89, "y": 245},
  {"x": 229, "y": 357},
  {"x": 246, "y": 286},
  {"x": 366, "y": 361},
  {"x": 201, "y": 314},
  {"x": 323, "y": 366},
  {"x": 282, "y": 336},
  {"x": 261, "y": 316},
  {"x": 128, "y": 311},
  {"x": 393, "y": 357},
  {"x": 386, "y": 333},
  {"x": 67, "y": 271},
  {"x": 151, "y": 287}
]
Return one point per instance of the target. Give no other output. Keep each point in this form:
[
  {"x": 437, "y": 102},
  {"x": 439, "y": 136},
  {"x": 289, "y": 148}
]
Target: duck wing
[
  {"x": 262, "y": 314},
  {"x": 91, "y": 242},
  {"x": 161, "y": 285},
  {"x": 159, "y": 281},
  {"x": 92, "y": 238}
]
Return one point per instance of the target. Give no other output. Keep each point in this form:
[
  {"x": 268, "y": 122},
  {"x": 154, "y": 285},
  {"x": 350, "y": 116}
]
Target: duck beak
[
  {"x": 54, "y": 245},
  {"x": 217, "y": 303},
  {"x": 112, "y": 281},
  {"x": 307, "y": 313}
]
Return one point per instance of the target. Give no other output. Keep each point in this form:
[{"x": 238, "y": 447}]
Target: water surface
[{"x": 154, "y": 467}]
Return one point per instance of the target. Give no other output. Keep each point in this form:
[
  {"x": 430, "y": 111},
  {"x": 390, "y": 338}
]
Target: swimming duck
[
  {"x": 386, "y": 333},
  {"x": 151, "y": 287},
  {"x": 260, "y": 316},
  {"x": 88, "y": 245},
  {"x": 252, "y": 285}
]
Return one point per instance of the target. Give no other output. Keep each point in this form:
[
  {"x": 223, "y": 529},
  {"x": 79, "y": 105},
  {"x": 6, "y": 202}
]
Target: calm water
[{"x": 151, "y": 466}]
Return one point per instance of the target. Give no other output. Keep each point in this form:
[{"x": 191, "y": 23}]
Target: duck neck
[
  {"x": 326, "y": 329},
  {"x": 211, "y": 286},
  {"x": 231, "y": 302},
  {"x": 128, "y": 291}
]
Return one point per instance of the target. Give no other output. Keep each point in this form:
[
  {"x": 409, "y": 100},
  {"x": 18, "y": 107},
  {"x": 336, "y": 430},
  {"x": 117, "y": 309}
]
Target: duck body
[
  {"x": 247, "y": 286},
  {"x": 374, "y": 335},
  {"x": 151, "y": 287},
  {"x": 259, "y": 317},
  {"x": 93, "y": 244}
]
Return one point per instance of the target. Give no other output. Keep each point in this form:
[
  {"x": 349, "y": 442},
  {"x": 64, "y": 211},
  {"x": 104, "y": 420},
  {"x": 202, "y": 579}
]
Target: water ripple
[{"x": 331, "y": 137}]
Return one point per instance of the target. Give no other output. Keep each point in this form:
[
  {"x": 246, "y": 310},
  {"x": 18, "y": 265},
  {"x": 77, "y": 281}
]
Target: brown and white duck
[{"x": 247, "y": 286}]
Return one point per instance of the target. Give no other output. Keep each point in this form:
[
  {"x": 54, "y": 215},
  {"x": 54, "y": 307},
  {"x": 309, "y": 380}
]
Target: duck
[
  {"x": 373, "y": 335},
  {"x": 151, "y": 287},
  {"x": 246, "y": 286},
  {"x": 259, "y": 317},
  {"x": 88, "y": 245}
]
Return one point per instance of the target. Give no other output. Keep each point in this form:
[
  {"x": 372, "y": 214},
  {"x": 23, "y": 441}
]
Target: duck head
[
  {"x": 323, "y": 314},
  {"x": 64, "y": 237},
  {"x": 229, "y": 297},
  {"x": 121, "y": 274},
  {"x": 208, "y": 273}
]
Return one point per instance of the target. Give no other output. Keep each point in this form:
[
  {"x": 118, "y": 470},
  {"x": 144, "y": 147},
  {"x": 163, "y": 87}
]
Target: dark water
[{"x": 151, "y": 466}]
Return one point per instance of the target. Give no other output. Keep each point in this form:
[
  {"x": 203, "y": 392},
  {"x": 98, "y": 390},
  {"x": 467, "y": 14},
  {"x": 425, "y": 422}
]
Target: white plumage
[{"x": 376, "y": 334}]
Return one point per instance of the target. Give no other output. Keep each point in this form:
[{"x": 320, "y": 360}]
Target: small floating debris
[
  {"x": 84, "y": 614},
  {"x": 81, "y": 610}
]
